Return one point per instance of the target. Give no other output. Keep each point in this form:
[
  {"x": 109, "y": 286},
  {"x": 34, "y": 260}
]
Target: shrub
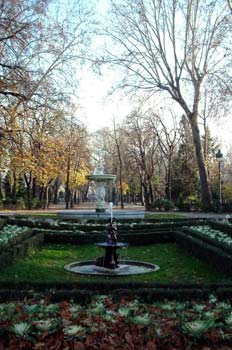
[
  {"x": 158, "y": 204},
  {"x": 33, "y": 203},
  {"x": 167, "y": 204},
  {"x": 20, "y": 203},
  {"x": 162, "y": 204},
  {"x": 17, "y": 203}
]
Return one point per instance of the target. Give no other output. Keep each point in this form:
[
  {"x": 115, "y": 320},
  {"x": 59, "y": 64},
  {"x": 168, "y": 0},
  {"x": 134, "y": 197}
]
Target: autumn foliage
[{"x": 107, "y": 324}]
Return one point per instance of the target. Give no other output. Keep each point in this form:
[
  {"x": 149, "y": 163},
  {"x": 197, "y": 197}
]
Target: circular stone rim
[
  {"x": 100, "y": 177},
  {"x": 113, "y": 272}
]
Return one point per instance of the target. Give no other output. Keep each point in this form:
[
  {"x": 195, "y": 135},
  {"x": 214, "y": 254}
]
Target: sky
[{"x": 98, "y": 109}]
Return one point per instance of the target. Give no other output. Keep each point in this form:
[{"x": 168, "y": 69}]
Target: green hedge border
[
  {"x": 22, "y": 236},
  {"x": 217, "y": 225},
  {"x": 63, "y": 237},
  {"x": 205, "y": 251},
  {"x": 146, "y": 291},
  {"x": 207, "y": 239},
  {"x": 21, "y": 250},
  {"x": 148, "y": 295}
]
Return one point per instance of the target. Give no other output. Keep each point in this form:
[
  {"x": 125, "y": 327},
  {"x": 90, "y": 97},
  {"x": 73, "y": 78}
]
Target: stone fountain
[
  {"x": 100, "y": 179},
  {"x": 109, "y": 264}
]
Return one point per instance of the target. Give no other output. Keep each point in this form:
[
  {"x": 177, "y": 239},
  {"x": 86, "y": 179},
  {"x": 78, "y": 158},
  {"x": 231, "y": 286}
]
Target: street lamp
[{"x": 219, "y": 158}]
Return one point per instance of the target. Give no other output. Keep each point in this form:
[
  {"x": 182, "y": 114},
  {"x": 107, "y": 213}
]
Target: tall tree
[
  {"x": 185, "y": 173},
  {"x": 173, "y": 46},
  {"x": 39, "y": 46},
  {"x": 167, "y": 139},
  {"x": 141, "y": 148},
  {"x": 74, "y": 155},
  {"x": 118, "y": 143}
]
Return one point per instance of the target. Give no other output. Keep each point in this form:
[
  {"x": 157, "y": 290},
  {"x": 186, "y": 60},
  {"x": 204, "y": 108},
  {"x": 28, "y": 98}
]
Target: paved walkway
[
  {"x": 88, "y": 209},
  {"x": 205, "y": 215}
]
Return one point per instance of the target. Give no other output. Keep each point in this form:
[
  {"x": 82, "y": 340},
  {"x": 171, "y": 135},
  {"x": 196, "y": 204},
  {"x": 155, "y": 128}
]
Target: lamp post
[{"x": 219, "y": 158}]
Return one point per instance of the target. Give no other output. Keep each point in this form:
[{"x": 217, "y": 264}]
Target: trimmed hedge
[
  {"x": 205, "y": 251},
  {"x": 3, "y": 222},
  {"x": 222, "y": 227},
  {"x": 112, "y": 284},
  {"x": 33, "y": 223},
  {"x": 16, "y": 240},
  {"x": 146, "y": 293},
  {"x": 21, "y": 250},
  {"x": 208, "y": 239},
  {"x": 133, "y": 238}
]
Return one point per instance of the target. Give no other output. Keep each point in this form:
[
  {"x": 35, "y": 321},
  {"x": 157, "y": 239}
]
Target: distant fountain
[{"x": 100, "y": 179}]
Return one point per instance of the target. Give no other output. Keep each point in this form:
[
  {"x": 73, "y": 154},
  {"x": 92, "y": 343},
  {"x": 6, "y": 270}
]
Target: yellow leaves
[
  {"x": 125, "y": 187},
  {"x": 77, "y": 178},
  {"x": 44, "y": 150},
  {"x": 227, "y": 191}
]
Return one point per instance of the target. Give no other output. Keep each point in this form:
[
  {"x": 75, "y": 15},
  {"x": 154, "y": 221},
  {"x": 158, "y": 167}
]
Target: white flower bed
[
  {"x": 8, "y": 233},
  {"x": 217, "y": 235}
]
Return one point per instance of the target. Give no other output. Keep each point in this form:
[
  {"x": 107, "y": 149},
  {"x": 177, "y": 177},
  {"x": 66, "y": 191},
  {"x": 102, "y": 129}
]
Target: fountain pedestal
[{"x": 110, "y": 259}]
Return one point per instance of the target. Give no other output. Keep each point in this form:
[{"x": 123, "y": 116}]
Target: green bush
[
  {"x": 183, "y": 205},
  {"x": 167, "y": 204},
  {"x": 33, "y": 203},
  {"x": 9, "y": 203},
  {"x": 162, "y": 204},
  {"x": 20, "y": 203},
  {"x": 227, "y": 206},
  {"x": 158, "y": 204}
]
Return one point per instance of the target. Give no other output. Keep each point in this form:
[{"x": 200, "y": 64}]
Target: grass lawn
[
  {"x": 165, "y": 215},
  {"x": 37, "y": 215},
  {"x": 48, "y": 265}
]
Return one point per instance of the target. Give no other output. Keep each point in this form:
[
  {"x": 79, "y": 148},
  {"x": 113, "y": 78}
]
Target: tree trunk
[
  {"x": 14, "y": 186},
  {"x": 71, "y": 201},
  {"x": 34, "y": 187},
  {"x": 56, "y": 191},
  {"x": 168, "y": 186},
  {"x": 120, "y": 167},
  {"x": 120, "y": 176},
  {"x": 146, "y": 196},
  {"x": 28, "y": 185},
  {"x": 46, "y": 198},
  {"x": 151, "y": 195},
  {"x": 205, "y": 190},
  {"x": 41, "y": 193},
  {"x": 121, "y": 193},
  {"x": 67, "y": 189},
  {"x": 141, "y": 191},
  {"x": 75, "y": 197},
  {"x": 1, "y": 194}
]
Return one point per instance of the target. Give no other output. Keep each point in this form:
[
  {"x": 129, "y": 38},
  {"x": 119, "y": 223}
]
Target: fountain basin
[
  {"x": 126, "y": 268},
  {"x": 112, "y": 245},
  {"x": 100, "y": 177}
]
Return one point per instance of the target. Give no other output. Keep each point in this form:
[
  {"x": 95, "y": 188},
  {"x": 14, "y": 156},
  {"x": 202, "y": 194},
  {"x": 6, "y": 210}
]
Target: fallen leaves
[{"x": 111, "y": 329}]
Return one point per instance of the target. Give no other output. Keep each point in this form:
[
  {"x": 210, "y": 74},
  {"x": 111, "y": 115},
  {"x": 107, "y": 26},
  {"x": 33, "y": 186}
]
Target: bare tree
[
  {"x": 167, "y": 140},
  {"x": 38, "y": 47},
  {"x": 173, "y": 46},
  {"x": 141, "y": 148},
  {"x": 118, "y": 142},
  {"x": 229, "y": 5}
]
